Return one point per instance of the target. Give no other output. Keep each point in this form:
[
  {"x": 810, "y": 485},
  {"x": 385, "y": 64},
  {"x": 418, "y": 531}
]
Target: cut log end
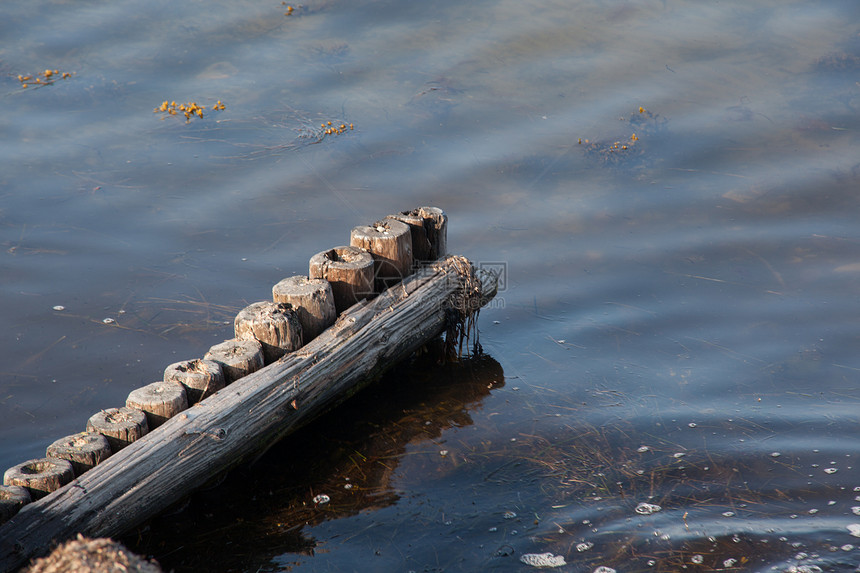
[
  {"x": 389, "y": 242},
  {"x": 160, "y": 401},
  {"x": 120, "y": 426},
  {"x": 349, "y": 271},
  {"x": 12, "y": 498},
  {"x": 237, "y": 358},
  {"x": 40, "y": 476},
  {"x": 313, "y": 300},
  {"x": 84, "y": 450},
  {"x": 201, "y": 378},
  {"x": 274, "y": 325}
]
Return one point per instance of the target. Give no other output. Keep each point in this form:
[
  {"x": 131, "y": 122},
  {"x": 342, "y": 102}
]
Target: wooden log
[
  {"x": 83, "y": 450},
  {"x": 436, "y": 227},
  {"x": 274, "y": 325},
  {"x": 121, "y": 426},
  {"x": 349, "y": 271},
  {"x": 313, "y": 300},
  {"x": 160, "y": 401},
  {"x": 201, "y": 378},
  {"x": 390, "y": 244},
  {"x": 40, "y": 476},
  {"x": 243, "y": 420},
  {"x": 237, "y": 358},
  {"x": 12, "y": 499},
  {"x": 429, "y": 229}
]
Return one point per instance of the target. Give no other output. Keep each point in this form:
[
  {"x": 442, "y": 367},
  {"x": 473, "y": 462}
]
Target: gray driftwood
[
  {"x": 160, "y": 401},
  {"x": 349, "y": 271},
  {"x": 313, "y": 300},
  {"x": 237, "y": 358},
  {"x": 201, "y": 378},
  {"x": 245, "y": 418},
  {"x": 84, "y": 450},
  {"x": 389, "y": 242}
]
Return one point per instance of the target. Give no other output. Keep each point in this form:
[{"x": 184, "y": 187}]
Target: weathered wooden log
[
  {"x": 275, "y": 325},
  {"x": 160, "y": 401},
  {"x": 83, "y": 450},
  {"x": 429, "y": 229},
  {"x": 436, "y": 227},
  {"x": 244, "y": 419},
  {"x": 121, "y": 426},
  {"x": 349, "y": 271},
  {"x": 237, "y": 358},
  {"x": 390, "y": 244},
  {"x": 313, "y": 300},
  {"x": 201, "y": 378},
  {"x": 40, "y": 476},
  {"x": 12, "y": 499}
]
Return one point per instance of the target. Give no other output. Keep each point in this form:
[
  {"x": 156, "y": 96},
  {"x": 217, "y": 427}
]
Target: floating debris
[
  {"x": 108, "y": 320},
  {"x": 584, "y": 546},
  {"x": 697, "y": 559},
  {"x": 321, "y": 499},
  {"x": 647, "y": 508},
  {"x": 59, "y": 308},
  {"x": 854, "y": 529},
  {"x": 856, "y": 510},
  {"x": 542, "y": 559},
  {"x": 643, "y": 449},
  {"x": 189, "y": 109},
  {"x": 604, "y": 569},
  {"x": 325, "y": 129},
  {"x": 509, "y": 515},
  {"x": 830, "y": 470},
  {"x": 45, "y": 78}
]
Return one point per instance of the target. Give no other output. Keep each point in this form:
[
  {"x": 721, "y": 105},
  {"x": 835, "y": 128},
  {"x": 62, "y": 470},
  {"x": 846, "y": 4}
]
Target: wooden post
[
  {"x": 201, "y": 378},
  {"x": 313, "y": 300},
  {"x": 83, "y": 450},
  {"x": 349, "y": 271},
  {"x": 121, "y": 426},
  {"x": 40, "y": 476},
  {"x": 160, "y": 401},
  {"x": 274, "y": 325},
  {"x": 12, "y": 499},
  {"x": 247, "y": 418},
  {"x": 429, "y": 227},
  {"x": 237, "y": 358},
  {"x": 390, "y": 244},
  {"x": 436, "y": 227}
]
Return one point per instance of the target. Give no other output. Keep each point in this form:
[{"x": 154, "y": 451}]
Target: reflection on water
[
  {"x": 670, "y": 186},
  {"x": 352, "y": 456}
]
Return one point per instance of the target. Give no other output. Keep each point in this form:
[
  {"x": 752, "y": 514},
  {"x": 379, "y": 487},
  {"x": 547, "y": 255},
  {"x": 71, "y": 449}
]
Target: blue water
[{"x": 692, "y": 290}]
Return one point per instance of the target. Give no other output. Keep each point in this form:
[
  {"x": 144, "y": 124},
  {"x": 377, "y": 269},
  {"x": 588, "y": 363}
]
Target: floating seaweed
[
  {"x": 189, "y": 110},
  {"x": 46, "y": 78},
  {"x": 628, "y": 151}
]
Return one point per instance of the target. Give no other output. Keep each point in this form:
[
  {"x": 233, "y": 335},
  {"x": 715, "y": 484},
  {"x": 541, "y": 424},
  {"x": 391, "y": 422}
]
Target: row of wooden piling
[{"x": 379, "y": 255}]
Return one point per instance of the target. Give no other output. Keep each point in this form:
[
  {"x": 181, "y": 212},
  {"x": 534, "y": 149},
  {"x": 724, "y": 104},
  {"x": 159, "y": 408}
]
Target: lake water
[{"x": 671, "y": 186}]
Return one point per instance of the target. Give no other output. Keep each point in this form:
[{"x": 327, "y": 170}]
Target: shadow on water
[{"x": 350, "y": 456}]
